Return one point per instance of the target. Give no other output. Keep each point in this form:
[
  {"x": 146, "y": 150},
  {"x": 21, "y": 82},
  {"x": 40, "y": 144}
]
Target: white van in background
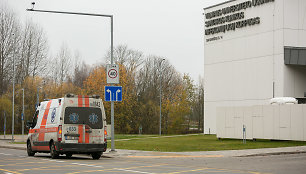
[
  {"x": 75, "y": 124},
  {"x": 283, "y": 100}
]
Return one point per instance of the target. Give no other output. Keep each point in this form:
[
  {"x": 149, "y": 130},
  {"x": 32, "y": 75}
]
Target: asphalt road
[{"x": 16, "y": 161}]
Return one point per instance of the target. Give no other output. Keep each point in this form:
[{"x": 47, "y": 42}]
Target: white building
[{"x": 254, "y": 50}]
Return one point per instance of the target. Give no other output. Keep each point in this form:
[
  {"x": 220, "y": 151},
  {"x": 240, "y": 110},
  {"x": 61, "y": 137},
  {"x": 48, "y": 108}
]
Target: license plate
[{"x": 71, "y": 138}]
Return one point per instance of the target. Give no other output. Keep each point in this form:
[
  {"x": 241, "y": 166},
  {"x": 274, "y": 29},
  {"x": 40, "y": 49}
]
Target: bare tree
[
  {"x": 34, "y": 49},
  {"x": 131, "y": 59},
  {"x": 149, "y": 76},
  {"x": 9, "y": 41},
  {"x": 152, "y": 72},
  {"x": 64, "y": 63},
  {"x": 198, "y": 107},
  {"x": 81, "y": 71}
]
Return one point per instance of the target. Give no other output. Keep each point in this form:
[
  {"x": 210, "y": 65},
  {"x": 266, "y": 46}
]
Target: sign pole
[
  {"x": 112, "y": 102},
  {"x": 113, "y": 94},
  {"x": 112, "y": 127}
]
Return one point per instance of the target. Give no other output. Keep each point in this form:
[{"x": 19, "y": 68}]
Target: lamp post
[
  {"x": 37, "y": 97},
  {"x": 160, "y": 96},
  {"x": 13, "y": 124},
  {"x": 22, "y": 116},
  {"x": 4, "y": 126},
  {"x": 112, "y": 61}
]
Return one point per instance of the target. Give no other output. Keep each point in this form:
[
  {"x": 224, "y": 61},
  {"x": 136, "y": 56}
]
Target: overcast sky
[{"x": 173, "y": 29}]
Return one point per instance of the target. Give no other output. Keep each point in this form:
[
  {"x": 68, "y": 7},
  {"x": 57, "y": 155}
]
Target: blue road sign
[
  {"x": 22, "y": 116},
  {"x": 113, "y": 93}
]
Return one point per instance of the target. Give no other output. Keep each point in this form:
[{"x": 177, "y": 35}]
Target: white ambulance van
[{"x": 74, "y": 124}]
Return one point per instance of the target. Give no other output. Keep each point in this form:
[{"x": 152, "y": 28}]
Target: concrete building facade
[{"x": 254, "y": 50}]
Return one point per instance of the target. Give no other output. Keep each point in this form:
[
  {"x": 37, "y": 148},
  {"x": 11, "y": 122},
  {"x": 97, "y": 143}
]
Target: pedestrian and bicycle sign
[
  {"x": 112, "y": 73},
  {"x": 113, "y": 93}
]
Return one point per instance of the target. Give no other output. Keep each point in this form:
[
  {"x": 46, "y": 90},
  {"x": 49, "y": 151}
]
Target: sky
[{"x": 173, "y": 29}]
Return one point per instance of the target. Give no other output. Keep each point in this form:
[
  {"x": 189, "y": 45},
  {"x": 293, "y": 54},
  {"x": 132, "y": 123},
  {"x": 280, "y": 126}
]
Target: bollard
[
  {"x": 244, "y": 134},
  {"x": 4, "y": 126}
]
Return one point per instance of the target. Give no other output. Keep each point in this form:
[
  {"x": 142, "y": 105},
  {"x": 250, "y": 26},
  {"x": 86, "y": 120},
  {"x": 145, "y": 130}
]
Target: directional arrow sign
[{"x": 113, "y": 93}]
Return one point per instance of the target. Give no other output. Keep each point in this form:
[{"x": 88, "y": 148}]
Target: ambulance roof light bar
[
  {"x": 95, "y": 96},
  {"x": 69, "y": 95},
  {"x": 85, "y": 96}
]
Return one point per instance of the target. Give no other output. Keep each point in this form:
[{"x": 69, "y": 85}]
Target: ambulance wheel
[
  {"x": 68, "y": 155},
  {"x": 96, "y": 155},
  {"x": 29, "y": 149},
  {"x": 53, "y": 152}
]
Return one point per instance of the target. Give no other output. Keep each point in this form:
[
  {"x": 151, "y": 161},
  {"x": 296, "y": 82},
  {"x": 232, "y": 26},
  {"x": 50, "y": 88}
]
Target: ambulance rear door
[{"x": 83, "y": 123}]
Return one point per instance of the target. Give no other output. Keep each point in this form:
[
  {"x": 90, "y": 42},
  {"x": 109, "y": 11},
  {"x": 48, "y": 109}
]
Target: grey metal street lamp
[
  {"x": 13, "y": 124},
  {"x": 37, "y": 97},
  {"x": 112, "y": 61},
  {"x": 160, "y": 96},
  {"x": 22, "y": 116}
]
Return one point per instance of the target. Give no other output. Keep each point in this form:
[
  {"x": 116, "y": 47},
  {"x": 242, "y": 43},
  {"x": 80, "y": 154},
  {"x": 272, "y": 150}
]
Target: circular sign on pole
[{"x": 112, "y": 73}]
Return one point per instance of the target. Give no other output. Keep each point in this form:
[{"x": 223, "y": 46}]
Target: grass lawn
[
  {"x": 18, "y": 142},
  {"x": 191, "y": 143},
  {"x": 196, "y": 143}
]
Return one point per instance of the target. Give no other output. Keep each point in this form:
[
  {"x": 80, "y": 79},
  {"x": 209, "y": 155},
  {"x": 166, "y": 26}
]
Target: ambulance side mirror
[{"x": 29, "y": 124}]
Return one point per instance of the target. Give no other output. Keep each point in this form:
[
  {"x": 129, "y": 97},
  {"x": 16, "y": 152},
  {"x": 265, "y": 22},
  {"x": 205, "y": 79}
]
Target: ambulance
[{"x": 75, "y": 124}]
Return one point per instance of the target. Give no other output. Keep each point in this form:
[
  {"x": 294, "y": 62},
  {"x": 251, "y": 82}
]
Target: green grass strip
[{"x": 197, "y": 143}]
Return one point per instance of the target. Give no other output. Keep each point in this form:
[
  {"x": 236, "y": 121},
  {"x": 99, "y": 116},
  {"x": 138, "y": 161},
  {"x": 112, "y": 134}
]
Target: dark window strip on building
[{"x": 295, "y": 56}]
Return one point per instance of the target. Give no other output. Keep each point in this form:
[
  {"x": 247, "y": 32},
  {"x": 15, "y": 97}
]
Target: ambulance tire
[
  {"x": 68, "y": 155},
  {"x": 29, "y": 149},
  {"x": 54, "y": 154},
  {"x": 96, "y": 155}
]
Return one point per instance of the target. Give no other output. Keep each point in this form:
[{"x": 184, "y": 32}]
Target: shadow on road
[{"x": 74, "y": 157}]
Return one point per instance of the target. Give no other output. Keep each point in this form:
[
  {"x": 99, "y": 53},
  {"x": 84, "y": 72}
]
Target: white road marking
[
  {"x": 88, "y": 165},
  {"x": 75, "y": 163},
  {"x": 98, "y": 166},
  {"x": 133, "y": 171},
  {"x": 81, "y": 164}
]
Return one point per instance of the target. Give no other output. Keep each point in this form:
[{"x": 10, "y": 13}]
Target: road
[{"x": 16, "y": 161}]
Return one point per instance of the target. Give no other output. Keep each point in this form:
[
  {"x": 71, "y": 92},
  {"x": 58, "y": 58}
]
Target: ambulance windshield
[{"x": 84, "y": 115}]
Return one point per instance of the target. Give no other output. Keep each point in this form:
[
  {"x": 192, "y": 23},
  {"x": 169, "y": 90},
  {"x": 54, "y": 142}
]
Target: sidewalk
[{"x": 6, "y": 143}]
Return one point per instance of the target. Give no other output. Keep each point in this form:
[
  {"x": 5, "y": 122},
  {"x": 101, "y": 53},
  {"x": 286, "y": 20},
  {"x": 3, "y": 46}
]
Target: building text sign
[{"x": 231, "y": 18}]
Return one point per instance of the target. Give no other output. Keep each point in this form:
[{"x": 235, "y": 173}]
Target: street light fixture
[
  {"x": 160, "y": 96},
  {"x": 112, "y": 61}
]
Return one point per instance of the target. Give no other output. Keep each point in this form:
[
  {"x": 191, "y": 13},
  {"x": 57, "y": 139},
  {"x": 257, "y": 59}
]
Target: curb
[
  {"x": 273, "y": 153},
  {"x": 12, "y": 147}
]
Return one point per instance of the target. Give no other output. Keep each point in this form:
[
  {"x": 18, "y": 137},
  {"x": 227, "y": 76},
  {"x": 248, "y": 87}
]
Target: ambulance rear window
[{"x": 84, "y": 115}]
